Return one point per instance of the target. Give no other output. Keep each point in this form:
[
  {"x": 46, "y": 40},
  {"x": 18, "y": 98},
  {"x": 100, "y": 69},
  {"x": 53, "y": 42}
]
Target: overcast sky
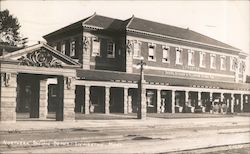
[{"x": 226, "y": 21}]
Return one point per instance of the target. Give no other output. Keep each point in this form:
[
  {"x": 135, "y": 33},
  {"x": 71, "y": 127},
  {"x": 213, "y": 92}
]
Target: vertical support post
[
  {"x": 241, "y": 102},
  {"x": 8, "y": 97},
  {"x": 43, "y": 99},
  {"x": 87, "y": 99},
  {"x": 173, "y": 101},
  {"x": 211, "y": 96},
  {"x": 142, "y": 108},
  {"x": 186, "y": 96},
  {"x": 199, "y": 98},
  {"x": 107, "y": 99},
  {"x": 129, "y": 104},
  {"x": 222, "y": 97},
  {"x": 125, "y": 100},
  {"x": 232, "y": 103},
  {"x": 69, "y": 99},
  {"x": 158, "y": 101}
]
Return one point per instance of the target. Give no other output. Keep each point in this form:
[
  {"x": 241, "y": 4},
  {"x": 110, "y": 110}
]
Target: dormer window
[
  {"x": 95, "y": 47},
  {"x": 212, "y": 61},
  {"x": 110, "y": 49},
  {"x": 190, "y": 57},
  {"x": 151, "y": 52},
  {"x": 178, "y": 55},
  {"x": 72, "y": 48},
  {"x": 223, "y": 63},
  {"x": 165, "y": 54},
  {"x": 137, "y": 49}
]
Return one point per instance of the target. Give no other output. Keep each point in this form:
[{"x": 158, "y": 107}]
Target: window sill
[
  {"x": 110, "y": 56},
  {"x": 190, "y": 64},
  {"x": 135, "y": 57},
  {"x": 164, "y": 61},
  {"x": 149, "y": 59},
  {"x": 202, "y": 66},
  {"x": 179, "y": 63}
]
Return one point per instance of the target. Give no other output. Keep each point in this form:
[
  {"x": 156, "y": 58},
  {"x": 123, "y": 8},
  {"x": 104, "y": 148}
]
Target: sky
[{"x": 226, "y": 21}]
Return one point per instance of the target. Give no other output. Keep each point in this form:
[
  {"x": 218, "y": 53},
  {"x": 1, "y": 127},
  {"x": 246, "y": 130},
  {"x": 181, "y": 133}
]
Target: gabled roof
[
  {"x": 27, "y": 54},
  {"x": 75, "y": 25},
  {"x": 102, "y": 22},
  {"x": 175, "y": 32},
  {"x": 141, "y": 25}
]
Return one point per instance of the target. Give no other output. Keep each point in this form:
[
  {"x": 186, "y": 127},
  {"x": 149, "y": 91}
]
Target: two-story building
[{"x": 91, "y": 66}]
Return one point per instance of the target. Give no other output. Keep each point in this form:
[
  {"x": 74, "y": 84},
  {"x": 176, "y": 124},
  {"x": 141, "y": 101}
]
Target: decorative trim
[
  {"x": 69, "y": 82},
  {"x": 185, "y": 71},
  {"x": 165, "y": 36},
  {"x": 5, "y": 79},
  {"x": 178, "y": 45},
  {"x": 40, "y": 58}
]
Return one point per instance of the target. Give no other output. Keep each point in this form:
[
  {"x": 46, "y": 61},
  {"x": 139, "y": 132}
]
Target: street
[{"x": 153, "y": 135}]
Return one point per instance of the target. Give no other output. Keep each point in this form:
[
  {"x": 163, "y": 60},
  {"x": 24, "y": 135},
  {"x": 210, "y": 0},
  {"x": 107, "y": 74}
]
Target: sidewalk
[{"x": 127, "y": 121}]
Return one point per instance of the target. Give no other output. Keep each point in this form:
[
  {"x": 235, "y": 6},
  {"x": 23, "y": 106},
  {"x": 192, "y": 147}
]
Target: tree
[{"x": 9, "y": 27}]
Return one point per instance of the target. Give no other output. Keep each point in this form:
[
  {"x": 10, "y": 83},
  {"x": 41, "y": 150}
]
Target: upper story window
[
  {"x": 95, "y": 47},
  {"x": 165, "y": 54},
  {"x": 151, "y": 52},
  {"x": 54, "y": 46},
  {"x": 110, "y": 49},
  {"x": 212, "y": 61},
  {"x": 63, "y": 48},
  {"x": 72, "y": 48},
  {"x": 137, "y": 49},
  {"x": 190, "y": 57},
  {"x": 233, "y": 63},
  {"x": 178, "y": 55},
  {"x": 223, "y": 63},
  {"x": 202, "y": 59}
]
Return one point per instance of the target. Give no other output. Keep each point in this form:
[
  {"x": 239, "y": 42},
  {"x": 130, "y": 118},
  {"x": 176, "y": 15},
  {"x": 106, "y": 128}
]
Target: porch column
[
  {"x": 222, "y": 97},
  {"x": 66, "y": 99},
  {"x": 43, "y": 99},
  {"x": 211, "y": 96},
  {"x": 186, "y": 96},
  {"x": 8, "y": 96},
  {"x": 125, "y": 100},
  {"x": 87, "y": 99},
  {"x": 241, "y": 102},
  {"x": 199, "y": 98},
  {"x": 129, "y": 104},
  {"x": 232, "y": 103},
  {"x": 107, "y": 99},
  {"x": 173, "y": 101},
  {"x": 158, "y": 101}
]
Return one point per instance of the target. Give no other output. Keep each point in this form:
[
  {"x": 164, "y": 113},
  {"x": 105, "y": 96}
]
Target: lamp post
[{"x": 141, "y": 113}]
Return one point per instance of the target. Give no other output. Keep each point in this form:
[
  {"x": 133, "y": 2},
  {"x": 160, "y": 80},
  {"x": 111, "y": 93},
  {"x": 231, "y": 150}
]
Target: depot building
[{"x": 91, "y": 66}]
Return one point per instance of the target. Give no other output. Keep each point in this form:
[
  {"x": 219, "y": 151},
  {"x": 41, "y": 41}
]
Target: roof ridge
[
  {"x": 187, "y": 29},
  {"x": 89, "y": 18},
  {"x": 130, "y": 20}
]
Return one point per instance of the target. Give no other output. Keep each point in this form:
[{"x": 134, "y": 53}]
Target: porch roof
[{"x": 103, "y": 75}]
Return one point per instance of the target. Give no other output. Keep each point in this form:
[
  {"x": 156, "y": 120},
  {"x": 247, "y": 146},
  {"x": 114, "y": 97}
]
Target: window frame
[
  {"x": 139, "y": 44},
  {"x": 95, "y": 54},
  {"x": 203, "y": 55},
  {"x": 166, "y": 49},
  {"x": 190, "y": 62},
  {"x": 113, "y": 49},
  {"x": 71, "y": 48},
  {"x": 223, "y": 57},
  {"x": 180, "y": 61},
  {"x": 153, "y": 48},
  {"x": 211, "y": 64},
  {"x": 63, "y": 50}
]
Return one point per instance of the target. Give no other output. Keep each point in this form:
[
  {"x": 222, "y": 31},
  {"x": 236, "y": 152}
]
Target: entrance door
[{"x": 28, "y": 95}]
